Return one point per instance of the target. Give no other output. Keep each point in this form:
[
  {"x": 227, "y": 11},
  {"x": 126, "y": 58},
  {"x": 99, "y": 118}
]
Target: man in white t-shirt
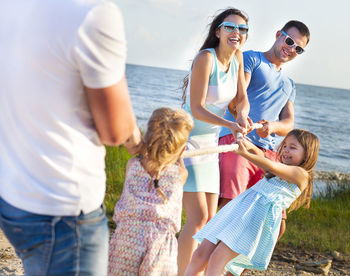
[{"x": 63, "y": 95}]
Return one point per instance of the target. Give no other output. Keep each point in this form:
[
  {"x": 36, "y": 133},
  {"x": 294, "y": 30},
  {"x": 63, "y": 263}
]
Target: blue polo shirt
[{"x": 268, "y": 92}]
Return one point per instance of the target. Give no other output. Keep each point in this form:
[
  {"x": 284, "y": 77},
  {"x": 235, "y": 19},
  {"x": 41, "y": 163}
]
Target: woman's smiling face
[{"x": 234, "y": 39}]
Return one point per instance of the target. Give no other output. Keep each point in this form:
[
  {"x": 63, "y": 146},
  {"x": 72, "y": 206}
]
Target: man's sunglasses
[
  {"x": 291, "y": 43},
  {"x": 230, "y": 27}
]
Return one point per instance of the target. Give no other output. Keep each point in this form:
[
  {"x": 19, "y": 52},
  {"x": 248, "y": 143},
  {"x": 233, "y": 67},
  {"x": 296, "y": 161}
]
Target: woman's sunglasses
[
  {"x": 291, "y": 43},
  {"x": 230, "y": 27}
]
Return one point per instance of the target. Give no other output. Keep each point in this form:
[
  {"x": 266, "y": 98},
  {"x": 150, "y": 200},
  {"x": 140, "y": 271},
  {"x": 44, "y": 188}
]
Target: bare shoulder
[
  {"x": 202, "y": 65},
  {"x": 204, "y": 57},
  {"x": 301, "y": 177}
]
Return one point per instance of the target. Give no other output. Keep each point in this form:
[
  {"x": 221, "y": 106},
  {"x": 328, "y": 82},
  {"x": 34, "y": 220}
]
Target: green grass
[
  {"x": 326, "y": 225},
  {"x": 323, "y": 227},
  {"x": 116, "y": 159}
]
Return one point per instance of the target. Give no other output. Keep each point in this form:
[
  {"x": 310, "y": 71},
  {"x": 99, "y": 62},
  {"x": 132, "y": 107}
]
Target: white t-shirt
[{"x": 51, "y": 158}]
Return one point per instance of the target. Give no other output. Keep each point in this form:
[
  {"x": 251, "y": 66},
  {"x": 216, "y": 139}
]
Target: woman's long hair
[{"x": 212, "y": 41}]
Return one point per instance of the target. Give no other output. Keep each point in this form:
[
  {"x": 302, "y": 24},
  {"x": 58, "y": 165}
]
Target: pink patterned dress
[{"x": 144, "y": 241}]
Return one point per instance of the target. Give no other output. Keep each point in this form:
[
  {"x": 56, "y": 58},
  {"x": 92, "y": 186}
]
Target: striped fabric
[{"x": 250, "y": 223}]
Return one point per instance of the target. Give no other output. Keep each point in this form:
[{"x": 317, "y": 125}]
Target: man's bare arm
[{"x": 112, "y": 112}]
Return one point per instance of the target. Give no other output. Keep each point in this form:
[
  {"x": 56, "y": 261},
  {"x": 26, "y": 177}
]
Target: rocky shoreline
[
  {"x": 294, "y": 261},
  {"x": 285, "y": 261},
  {"x": 332, "y": 176}
]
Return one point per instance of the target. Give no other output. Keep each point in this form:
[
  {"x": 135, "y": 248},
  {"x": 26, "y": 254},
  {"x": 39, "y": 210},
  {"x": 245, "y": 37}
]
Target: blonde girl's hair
[
  {"x": 165, "y": 138},
  {"x": 311, "y": 146}
]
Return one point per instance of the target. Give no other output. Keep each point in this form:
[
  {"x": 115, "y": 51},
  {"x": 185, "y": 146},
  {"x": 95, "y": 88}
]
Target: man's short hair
[{"x": 302, "y": 28}]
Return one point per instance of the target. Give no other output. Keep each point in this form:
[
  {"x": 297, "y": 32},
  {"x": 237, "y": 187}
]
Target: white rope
[{"x": 218, "y": 149}]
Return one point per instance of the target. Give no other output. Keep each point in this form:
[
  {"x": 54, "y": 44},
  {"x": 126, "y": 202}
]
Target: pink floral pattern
[{"x": 144, "y": 241}]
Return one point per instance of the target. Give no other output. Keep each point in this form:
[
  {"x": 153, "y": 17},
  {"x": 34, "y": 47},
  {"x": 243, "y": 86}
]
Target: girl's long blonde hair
[
  {"x": 311, "y": 146},
  {"x": 165, "y": 138}
]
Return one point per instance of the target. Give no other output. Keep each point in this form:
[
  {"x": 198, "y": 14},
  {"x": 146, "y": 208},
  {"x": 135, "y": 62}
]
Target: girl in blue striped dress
[{"x": 244, "y": 233}]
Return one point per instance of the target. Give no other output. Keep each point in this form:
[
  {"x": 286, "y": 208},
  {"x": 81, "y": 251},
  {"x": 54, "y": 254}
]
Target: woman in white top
[{"x": 215, "y": 82}]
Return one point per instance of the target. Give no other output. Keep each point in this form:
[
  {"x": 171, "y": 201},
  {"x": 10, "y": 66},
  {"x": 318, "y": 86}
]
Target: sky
[{"x": 168, "y": 33}]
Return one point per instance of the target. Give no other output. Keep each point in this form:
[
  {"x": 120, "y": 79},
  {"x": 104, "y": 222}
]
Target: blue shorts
[{"x": 62, "y": 245}]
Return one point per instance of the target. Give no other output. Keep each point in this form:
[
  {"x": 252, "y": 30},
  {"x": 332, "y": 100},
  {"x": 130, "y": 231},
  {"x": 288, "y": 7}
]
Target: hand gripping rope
[{"x": 218, "y": 149}]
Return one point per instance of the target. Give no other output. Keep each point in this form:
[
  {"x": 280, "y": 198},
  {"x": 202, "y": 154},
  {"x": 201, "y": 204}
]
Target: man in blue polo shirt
[{"x": 271, "y": 95}]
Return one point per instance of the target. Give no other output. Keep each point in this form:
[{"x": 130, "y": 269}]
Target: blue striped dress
[
  {"x": 250, "y": 223},
  {"x": 203, "y": 171}
]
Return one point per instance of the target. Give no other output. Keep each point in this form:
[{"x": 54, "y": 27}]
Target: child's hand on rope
[
  {"x": 242, "y": 147},
  {"x": 237, "y": 130},
  {"x": 246, "y": 146}
]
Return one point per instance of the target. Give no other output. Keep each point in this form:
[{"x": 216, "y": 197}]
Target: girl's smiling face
[{"x": 292, "y": 152}]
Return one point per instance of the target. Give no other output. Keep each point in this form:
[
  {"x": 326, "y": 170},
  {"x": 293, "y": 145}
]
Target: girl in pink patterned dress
[{"x": 148, "y": 214}]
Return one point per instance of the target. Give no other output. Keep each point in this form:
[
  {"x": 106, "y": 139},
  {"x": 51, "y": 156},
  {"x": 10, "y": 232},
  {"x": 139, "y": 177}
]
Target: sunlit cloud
[
  {"x": 169, "y": 33},
  {"x": 146, "y": 34},
  {"x": 166, "y": 2}
]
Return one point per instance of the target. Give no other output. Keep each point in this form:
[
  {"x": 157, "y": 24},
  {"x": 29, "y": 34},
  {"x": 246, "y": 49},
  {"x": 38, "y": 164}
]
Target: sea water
[{"x": 322, "y": 110}]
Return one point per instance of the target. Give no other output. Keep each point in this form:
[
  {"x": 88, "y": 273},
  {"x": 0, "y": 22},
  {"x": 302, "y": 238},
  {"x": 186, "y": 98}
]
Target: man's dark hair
[{"x": 302, "y": 28}]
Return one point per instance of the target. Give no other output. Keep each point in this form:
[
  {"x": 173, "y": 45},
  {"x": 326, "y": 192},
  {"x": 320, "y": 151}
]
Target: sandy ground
[
  {"x": 284, "y": 262},
  {"x": 9, "y": 263}
]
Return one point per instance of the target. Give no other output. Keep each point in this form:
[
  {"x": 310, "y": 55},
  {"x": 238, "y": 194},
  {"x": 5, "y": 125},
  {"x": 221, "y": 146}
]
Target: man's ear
[{"x": 278, "y": 34}]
